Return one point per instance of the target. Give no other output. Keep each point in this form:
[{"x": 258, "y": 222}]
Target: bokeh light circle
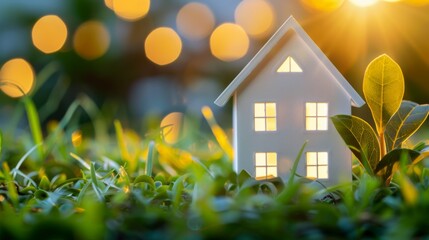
[
  {"x": 229, "y": 42},
  {"x": 109, "y": 3},
  {"x": 91, "y": 40},
  {"x": 195, "y": 21},
  {"x": 323, "y": 5},
  {"x": 15, "y": 73},
  {"x": 163, "y": 46},
  {"x": 131, "y": 10},
  {"x": 49, "y": 34},
  {"x": 256, "y": 17}
]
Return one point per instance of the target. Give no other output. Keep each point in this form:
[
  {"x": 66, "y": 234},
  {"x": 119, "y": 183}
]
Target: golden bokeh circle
[
  {"x": 131, "y": 10},
  {"x": 16, "y": 77},
  {"x": 257, "y": 17},
  {"x": 229, "y": 42},
  {"x": 195, "y": 21},
  {"x": 163, "y": 46},
  {"x": 91, "y": 40},
  {"x": 49, "y": 34}
]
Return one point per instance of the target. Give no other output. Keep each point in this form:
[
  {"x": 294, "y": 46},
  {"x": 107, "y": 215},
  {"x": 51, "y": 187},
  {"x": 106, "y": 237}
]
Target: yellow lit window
[
  {"x": 317, "y": 165},
  {"x": 316, "y": 116},
  {"x": 265, "y": 165},
  {"x": 265, "y": 117},
  {"x": 289, "y": 65}
]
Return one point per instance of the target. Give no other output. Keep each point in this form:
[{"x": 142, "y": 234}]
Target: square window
[{"x": 265, "y": 117}]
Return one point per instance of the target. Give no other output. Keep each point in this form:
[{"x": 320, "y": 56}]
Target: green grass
[{"x": 101, "y": 180}]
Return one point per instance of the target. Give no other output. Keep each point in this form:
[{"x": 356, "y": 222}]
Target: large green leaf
[
  {"x": 404, "y": 123},
  {"x": 383, "y": 87},
  {"x": 360, "y": 138}
]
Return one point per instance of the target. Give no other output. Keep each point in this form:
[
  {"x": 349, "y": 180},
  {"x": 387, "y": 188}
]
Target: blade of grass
[
  {"x": 150, "y": 158},
  {"x": 295, "y": 163},
  {"x": 23, "y": 158},
  {"x": 35, "y": 127},
  {"x": 11, "y": 187},
  {"x": 94, "y": 183}
]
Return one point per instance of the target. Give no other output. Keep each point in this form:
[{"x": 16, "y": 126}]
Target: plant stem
[{"x": 382, "y": 144}]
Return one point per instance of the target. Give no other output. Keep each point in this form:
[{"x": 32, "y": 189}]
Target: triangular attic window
[{"x": 289, "y": 65}]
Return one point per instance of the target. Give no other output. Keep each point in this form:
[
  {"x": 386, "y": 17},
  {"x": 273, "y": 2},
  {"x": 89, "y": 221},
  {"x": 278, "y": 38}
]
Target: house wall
[{"x": 290, "y": 91}]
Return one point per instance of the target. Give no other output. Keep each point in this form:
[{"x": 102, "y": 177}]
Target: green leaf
[
  {"x": 383, "y": 88},
  {"x": 44, "y": 183},
  {"x": 360, "y": 138},
  {"x": 145, "y": 179},
  {"x": 404, "y": 123},
  {"x": 388, "y": 161},
  {"x": 34, "y": 122}
]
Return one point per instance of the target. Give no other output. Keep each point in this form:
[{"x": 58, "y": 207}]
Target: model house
[{"x": 283, "y": 97}]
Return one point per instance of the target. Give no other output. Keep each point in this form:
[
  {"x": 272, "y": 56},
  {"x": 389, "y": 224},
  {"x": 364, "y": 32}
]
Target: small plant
[{"x": 395, "y": 121}]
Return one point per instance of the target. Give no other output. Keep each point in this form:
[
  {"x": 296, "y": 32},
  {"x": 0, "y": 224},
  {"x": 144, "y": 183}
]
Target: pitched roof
[{"x": 290, "y": 24}]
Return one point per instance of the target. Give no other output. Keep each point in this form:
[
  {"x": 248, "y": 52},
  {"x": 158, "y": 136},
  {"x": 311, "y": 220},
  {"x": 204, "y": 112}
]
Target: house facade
[{"x": 283, "y": 97}]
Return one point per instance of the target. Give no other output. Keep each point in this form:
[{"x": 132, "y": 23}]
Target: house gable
[{"x": 281, "y": 36}]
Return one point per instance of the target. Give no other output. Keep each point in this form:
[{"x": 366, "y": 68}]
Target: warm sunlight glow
[
  {"x": 256, "y": 17},
  {"x": 91, "y": 40},
  {"x": 195, "y": 21},
  {"x": 131, "y": 10},
  {"x": 16, "y": 73},
  {"x": 417, "y": 2},
  {"x": 363, "y": 3},
  {"x": 171, "y": 127},
  {"x": 229, "y": 42},
  {"x": 49, "y": 34},
  {"x": 163, "y": 46},
  {"x": 323, "y": 5}
]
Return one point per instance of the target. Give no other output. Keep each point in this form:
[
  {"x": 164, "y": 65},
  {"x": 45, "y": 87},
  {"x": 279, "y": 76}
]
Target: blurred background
[{"x": 145, "y": 59}]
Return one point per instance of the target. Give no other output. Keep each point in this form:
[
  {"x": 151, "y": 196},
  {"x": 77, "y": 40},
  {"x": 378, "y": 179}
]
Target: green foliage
[
  {"x": 395, "y": 120},
  {"x": 114, "y": 184}
]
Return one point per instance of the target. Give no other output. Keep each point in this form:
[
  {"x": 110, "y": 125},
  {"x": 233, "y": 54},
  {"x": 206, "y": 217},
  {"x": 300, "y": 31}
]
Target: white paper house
[{"x": 283, "y": 97}]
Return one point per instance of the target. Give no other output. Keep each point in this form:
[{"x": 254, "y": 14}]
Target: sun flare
[{"x": 363, "y": 3}]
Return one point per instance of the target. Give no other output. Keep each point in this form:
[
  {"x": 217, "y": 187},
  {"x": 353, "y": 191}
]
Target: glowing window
[
  {"x": 289, "y": 65},
  {"x": 317, "y": 165},
  {"x": 265, "y": 117},
  {"x": 265, "y": 165},
  {"x": 316, "y": 116}
]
